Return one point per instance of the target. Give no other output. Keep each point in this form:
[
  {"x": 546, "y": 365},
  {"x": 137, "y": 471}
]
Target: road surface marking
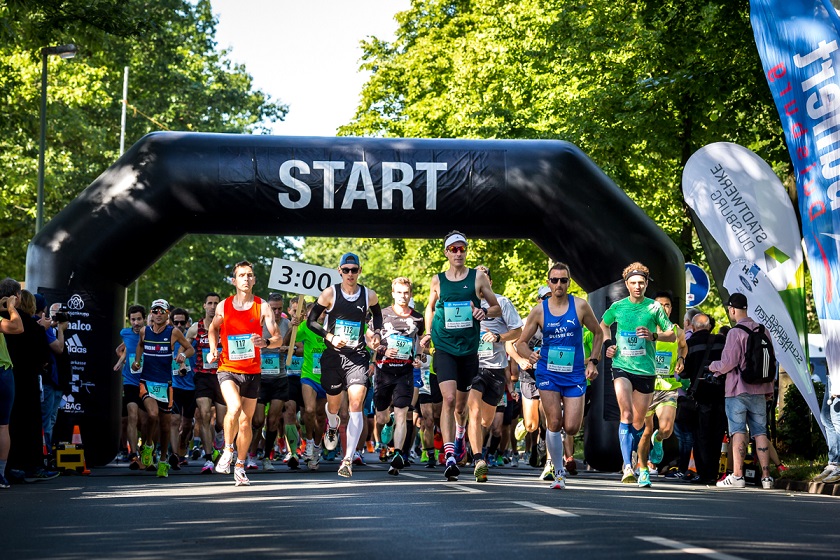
[
  {"x": 546, "y": 509},
  {"x": 690, "y": 549}
]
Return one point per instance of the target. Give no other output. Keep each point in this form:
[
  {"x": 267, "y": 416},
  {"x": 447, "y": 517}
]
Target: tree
[{"x": 179, "y": 80}]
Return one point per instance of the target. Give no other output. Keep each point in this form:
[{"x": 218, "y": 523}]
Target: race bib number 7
[{"x": 457, "y": 314}]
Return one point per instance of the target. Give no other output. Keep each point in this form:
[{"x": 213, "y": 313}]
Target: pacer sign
[{"x": 301, "y": 278}]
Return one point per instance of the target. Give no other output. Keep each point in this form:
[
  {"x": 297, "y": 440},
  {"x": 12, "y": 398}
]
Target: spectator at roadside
[
  {"x": 745, "y": 402},
  {"x": 689, "y": 315},
  {"x": 830, "y": 414},
  {"x": 51, "y": 381},
  {"x": 10, "y": 324}
]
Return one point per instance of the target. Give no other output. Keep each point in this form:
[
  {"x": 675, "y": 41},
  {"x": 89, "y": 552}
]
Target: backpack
[{"x": 760, "y": 357}]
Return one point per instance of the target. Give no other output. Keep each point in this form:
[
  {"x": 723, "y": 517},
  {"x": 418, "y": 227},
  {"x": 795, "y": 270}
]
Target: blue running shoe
[
  {"x": 656, "y": 452},
  {"x": 460, "y": 450},
  {"x": 644, "y": 478}
]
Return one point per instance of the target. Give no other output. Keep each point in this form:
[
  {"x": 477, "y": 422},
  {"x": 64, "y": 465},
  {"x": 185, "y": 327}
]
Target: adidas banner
[
  {"x": 764, "y": 304},
  {"x": 746, "y": 210},
  {"x": 799, "y": 45}
]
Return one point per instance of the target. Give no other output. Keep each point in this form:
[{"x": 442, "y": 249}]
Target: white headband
[{"x": 455, "y": 238}]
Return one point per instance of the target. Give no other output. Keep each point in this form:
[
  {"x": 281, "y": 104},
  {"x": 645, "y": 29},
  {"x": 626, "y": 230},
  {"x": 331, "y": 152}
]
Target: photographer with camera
[
  {"x": 701, "y": 413},
  {"x": 55, "y": 384},
  {"x": 745, "y": 401}
]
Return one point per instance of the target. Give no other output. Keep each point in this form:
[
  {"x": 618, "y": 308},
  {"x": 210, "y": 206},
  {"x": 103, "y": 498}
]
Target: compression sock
[
  {"x": 332, "y": 419},
  {"x": 625, "y": 439},
  {"x": 494, "y": 445},
  {"x": 355, "y": 425},
  {"x": 292, "y": 438},
  {"x": 554, "y": 445},
  {"x": 449, "y": 449},
  {"x": 270, "y": 440},
  {"x": 460, "y": 431},
  {"x": 408, "y": 442},
  {"x": 637, "y": 436}
]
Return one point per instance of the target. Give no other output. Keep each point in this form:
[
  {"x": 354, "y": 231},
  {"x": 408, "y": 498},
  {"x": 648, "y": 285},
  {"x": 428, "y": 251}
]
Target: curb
[{"x": 808, "y": 487}]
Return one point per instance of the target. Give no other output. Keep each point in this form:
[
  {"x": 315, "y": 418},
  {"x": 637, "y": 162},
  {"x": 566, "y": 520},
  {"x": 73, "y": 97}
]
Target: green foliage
[
  {"x": 178, "y": 80},
  {"x": 797, "y": 431}
]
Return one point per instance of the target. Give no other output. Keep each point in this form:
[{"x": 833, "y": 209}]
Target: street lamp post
[{"x": 64, "y": 51}]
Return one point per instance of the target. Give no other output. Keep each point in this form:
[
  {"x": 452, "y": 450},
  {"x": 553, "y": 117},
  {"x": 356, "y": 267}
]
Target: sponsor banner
[
  {"x": 746, "y": 210},
  {"x": 798, "y": 44},
  {"x": 765, "y": 306}
]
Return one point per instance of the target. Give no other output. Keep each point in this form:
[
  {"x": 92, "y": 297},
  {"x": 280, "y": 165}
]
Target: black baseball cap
[{"x": 737, "y": 300}]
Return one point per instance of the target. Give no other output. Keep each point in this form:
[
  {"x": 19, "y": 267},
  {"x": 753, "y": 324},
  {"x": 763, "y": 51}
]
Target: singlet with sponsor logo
[
  {"x": 239, "y": 355},
  {"x": 157, "y": 355},
  {"x": 633, "y": 353},
  {"x": 201, "y": 343},
  {"x": 666, "y": 360},
  {"x": 454, "y": 330},
  {"x": 346, "y": 318},
  {"x": 130, "y": 340},
  {"x": 186, "y": 381},
  {"x": 562, "y": 345},
  {"x": 399, "y": 332},
  {"x": 313, "y": 348},
  {"x": 273, "y": 362}
]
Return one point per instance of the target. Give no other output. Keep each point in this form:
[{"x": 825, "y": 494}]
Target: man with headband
[
  {"x": 637, "y": 320},
  {"x": 454, "y": 312}
]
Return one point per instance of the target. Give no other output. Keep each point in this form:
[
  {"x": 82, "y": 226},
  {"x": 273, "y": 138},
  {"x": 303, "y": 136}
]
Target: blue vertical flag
[{"x": 799, "y": 45}]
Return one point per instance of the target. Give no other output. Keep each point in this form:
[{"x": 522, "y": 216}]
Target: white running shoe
[
  {"x": 331, "y": 437},
  {"x": 767, "y": 482},
  {"x": 250, "y": 464},
  {"x": 267, "y": 466},
  {"x": 208, "y": 467},
  {"x": 239, "y": 476},
  {"x": 833, "y": 476},
  {"x": 223, "y": 466},
  {"x": 825, "y": 474},
  {"x": 732, "y": 481},
  {"x": 314, "y": 461},
  {"x": 559, "y": 481},
  {"x": 307, "y": 454}
]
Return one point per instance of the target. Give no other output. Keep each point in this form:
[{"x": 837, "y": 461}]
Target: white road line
[
  {"x": 546, "y": 509},
  {"x": 689, "y": 549},
  {"x": 409, "y": 475},
  {"x": 464, "y": 488}
]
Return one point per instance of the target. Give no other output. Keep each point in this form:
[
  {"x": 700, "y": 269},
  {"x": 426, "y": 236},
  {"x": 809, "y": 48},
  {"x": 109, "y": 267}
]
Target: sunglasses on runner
[
  {"x": 349, "y": 270},
  {"x": 158, "y": 311},
  {"x": 456, "y": 249},
  {"x": 561, "y": 280},
  {"x": 179, "y": 322}
]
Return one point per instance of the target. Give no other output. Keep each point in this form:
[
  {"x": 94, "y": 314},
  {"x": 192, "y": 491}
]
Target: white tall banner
[
  {"x": 765, "y": 306},
  {"x": 745, "y": 207}
]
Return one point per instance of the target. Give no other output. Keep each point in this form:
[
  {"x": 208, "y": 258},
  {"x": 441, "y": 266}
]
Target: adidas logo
[{"x": 75, "y": 346}]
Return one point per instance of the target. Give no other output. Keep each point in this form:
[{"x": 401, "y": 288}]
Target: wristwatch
[
  {"x": 594, "y": 361},
  {"x": 498, "y": 337}
]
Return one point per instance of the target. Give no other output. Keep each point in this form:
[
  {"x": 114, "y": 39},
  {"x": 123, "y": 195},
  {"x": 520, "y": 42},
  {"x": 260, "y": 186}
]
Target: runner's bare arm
[
  {"x": 429, "y": 312},
  {"x": 187, "y": 349},
  {"x": 533, "y": 321},
  {"x": 589, "y": 321},
  {"x": 138, "y": 354},
  {"x": 484, "y": 291}
]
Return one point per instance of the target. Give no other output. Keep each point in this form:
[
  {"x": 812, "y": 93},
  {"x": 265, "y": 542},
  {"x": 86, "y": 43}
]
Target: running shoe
[
  {"x": 314, "y": 462},
  {"x": 330, "y": 455},
  {"x": 732, "y": 481},
  {"x": 183, "y": 462},
  {"x": 346, "y": 468},
  {"x": 219, "y": 441},
  {"x": 3, "y": 482},
  {"x": 548, "y": 472},
  {"x": 767, "y": 482},
  {"x": 460, "y": 449},
  {"x": 656, "y": 452},
  {"x": 147, "y": 455},
  {"x": 267, "y": 466},
  {"x": 239, "y": 476},
  {"x": 196, "y": 453},
  {"x": 500, "y": 461},
  {"x": 216, "y": 455},
  {"x": 388, "y": 431},
  {"x": 644, "y": 478},
  {"x": 825, "y": 474},
  {"x": 134, "y": 462},
  {"x": 163, "y": 469},
  {"x": 543, "y": 455},
  {"x": 781, "y": 467},
  {"x": 571, "y": 466},
  {"x": 559, "y": 482},
  {"x": 397, "y": 462},
  {"x": 430, "y": 464},
  {"x": 331, "y": 437},
  {"x": 307, "y": 454},
  {"x": 514, "y": 460},
  {"x": 223, "y": 466},
  {"x": 480, "y": 471},
  {"x": 369, "y": 446},
  {"x": 357, "y": 459},
  {"x": 452, "y": 471},
  {"x": 208, "y": 467},
  {"x": 174, "y": 462},
  {"x": 383, "y": 454},
  {"x": 628, "y": 477},
  {"x": 392, "y": 471},
  {"x": 251, "y": 464},
  {"x": 41, "y": 475},
  {"x": 833, "y": 477},
  {"x": 293, "y": 463}
]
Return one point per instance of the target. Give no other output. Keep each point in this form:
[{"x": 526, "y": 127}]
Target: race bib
[
  {"x": 269, "y": 363},
  {"x": 457, "y": 315},
  {"x": 240, "y": 347},
  {"x": 176, "y": 367},
  {"x": 631, "y": 344},
  {"x": 503, "y": 400},
  {"x": 561, "y": 359},
  {"x": 131, "y": 358},
  {"x": 348, "y": 330},
  {"x": 403, "y": 344},
  {"x": 426, "y": 389},
  {"x": 316, "y": 364},
  {"x": 663, "y": 363},
  {"x": 205, "y": 353},
  {"x": 485, "y": 349},
  {"x": 158, "y": 391},
  {"x": 296, "y": 366}
]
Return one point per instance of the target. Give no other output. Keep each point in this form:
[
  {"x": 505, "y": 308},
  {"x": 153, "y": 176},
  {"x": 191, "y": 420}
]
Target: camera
[
  {"x": 709, "y": 377},
  {"x": 62, "y": 315}
]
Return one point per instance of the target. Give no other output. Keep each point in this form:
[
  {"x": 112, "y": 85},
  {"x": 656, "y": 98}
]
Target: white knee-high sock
[
  {"x": 332, "y": 419},
  {"x": 554, "y": 444},
  {"x": 354, "y": 431}
]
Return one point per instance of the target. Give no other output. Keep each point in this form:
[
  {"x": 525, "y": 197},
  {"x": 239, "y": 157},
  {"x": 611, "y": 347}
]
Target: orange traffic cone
[{"x": 77, "y": 436}]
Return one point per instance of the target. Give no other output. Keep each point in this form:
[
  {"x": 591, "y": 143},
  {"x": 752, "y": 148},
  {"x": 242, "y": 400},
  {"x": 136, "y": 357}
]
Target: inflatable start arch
[{"x": 546, "y": 191}]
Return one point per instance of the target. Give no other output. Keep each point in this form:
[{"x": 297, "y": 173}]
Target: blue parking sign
[{"x": 696, "y": 285}]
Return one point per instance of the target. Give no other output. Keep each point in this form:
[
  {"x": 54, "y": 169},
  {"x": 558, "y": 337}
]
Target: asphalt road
[{"x": 117, "y": 513}]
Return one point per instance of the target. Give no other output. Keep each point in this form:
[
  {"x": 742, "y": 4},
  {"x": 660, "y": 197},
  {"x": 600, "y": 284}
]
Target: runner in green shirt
[
  {"x": 637, "y": 319},
  {"x": 314, "y": 396}
]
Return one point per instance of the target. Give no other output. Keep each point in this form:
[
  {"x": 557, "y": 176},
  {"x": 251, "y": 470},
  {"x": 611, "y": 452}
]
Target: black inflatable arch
[{"x": 171, "y": 184}]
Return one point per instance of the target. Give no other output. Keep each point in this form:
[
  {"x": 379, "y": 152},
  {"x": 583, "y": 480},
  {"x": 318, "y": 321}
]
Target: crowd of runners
[{"x": 255, "y": 382}]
